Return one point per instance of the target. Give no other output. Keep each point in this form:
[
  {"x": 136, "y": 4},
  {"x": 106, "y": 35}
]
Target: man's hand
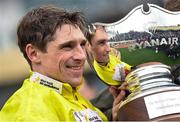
[{"x": 118, "y": 95}]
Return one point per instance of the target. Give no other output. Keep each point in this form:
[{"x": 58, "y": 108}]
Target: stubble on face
[
  {"x": 72, "y": 57},
  {"x": 65, "y": 56}
]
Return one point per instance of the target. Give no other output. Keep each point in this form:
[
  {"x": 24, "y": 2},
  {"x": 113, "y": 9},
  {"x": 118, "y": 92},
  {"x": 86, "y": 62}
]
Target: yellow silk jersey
[
  {"x": 44, "y": 99},
  {"x": 106, "y": 73}
]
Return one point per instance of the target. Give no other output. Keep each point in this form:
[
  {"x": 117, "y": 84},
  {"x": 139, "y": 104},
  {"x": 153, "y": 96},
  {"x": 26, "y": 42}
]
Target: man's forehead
[{"x": 100, "y": 34}]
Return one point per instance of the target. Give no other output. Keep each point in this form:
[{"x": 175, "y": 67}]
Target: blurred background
[{"x": 13, "y": 67}]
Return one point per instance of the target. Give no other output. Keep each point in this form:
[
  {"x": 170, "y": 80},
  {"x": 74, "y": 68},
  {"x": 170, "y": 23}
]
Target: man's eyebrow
[
  {"x": 71, "y": 42},
  {"x": 101, "y": 40},
  {"x": 66, "y": 43}
]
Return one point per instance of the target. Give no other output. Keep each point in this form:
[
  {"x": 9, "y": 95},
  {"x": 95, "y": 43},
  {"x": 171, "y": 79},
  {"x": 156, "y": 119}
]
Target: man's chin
[
  {"x": 106, "y": 61},
  {"x": 76, "y": 82}
]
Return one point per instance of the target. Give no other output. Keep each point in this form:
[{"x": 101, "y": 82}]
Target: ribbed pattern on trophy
[{"x": 147, "y": 77}]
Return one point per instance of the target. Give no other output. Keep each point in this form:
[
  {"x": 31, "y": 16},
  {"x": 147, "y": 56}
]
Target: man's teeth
[{"x": 75, "y": 67}]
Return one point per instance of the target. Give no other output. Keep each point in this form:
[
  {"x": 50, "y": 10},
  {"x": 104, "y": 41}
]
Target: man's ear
[{"x": 32, "y": 53}]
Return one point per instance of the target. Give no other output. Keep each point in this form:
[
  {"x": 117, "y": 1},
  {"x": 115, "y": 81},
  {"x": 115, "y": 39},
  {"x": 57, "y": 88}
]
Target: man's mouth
[
  {"x": 75, "y": 71},
  {"x": 75, "y": 67}
]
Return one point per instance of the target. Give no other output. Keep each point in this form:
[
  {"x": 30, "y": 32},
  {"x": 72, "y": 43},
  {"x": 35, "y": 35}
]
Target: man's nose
[
  {"x": 107, "y": 48},
  {"x": 79, "y": 53}
]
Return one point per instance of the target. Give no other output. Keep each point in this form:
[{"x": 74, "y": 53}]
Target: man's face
[
  {"x": 99, "y": 45},
  {"x": 65, "y": 56}
]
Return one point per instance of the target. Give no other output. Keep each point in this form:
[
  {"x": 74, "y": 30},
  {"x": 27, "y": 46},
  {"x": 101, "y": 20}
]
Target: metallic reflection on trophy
[
  {"x": 153, "y": 96},
  {"x": 148, "y": 77}
]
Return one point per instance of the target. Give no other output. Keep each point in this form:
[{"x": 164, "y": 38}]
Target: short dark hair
[
  {"x": 39, "y": 25},
  {"x": 91, "y": 31},
  {"x": 172, "y": 5}
]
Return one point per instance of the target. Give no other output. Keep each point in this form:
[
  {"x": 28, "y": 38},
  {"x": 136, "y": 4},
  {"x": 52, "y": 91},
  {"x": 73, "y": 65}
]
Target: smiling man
[{"x": 52, "y": 41}]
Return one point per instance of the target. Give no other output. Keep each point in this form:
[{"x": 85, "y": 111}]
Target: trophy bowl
[{"x": 153, "y": 96}]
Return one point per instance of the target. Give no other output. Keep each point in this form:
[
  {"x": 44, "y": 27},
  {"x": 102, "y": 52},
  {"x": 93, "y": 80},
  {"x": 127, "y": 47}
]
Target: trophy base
[{"x": 157, "y": 104}]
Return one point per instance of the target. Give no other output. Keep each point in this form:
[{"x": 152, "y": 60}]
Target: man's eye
[
  {"x": 102, "y": 42},
  {"x": 83, "y": 44},
  {"x": 67, "y": 47}
]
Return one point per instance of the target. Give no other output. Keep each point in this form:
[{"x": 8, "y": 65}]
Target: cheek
[
  {"x": 63, "y": 60},
  {"x": 100, "y": 51}
]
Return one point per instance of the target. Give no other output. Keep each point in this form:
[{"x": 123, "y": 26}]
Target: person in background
[
  {"x": 106, "y": 62},
  {"x": 52, "y": 40}
]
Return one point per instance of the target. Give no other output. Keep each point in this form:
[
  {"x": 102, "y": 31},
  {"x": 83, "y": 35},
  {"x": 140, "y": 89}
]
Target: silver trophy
[{"x": 154, "y": 96}]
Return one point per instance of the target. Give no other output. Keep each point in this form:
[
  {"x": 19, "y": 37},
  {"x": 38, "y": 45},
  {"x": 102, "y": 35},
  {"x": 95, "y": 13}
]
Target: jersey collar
[{"x": 58, "y": 86}]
